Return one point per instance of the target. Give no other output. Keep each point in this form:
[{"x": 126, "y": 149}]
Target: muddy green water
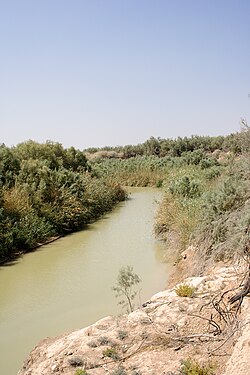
[{"x": 66, "y": 285}]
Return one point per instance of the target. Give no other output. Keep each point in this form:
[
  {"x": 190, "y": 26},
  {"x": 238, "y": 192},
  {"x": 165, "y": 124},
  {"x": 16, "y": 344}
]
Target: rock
[
  {"x": 54, "y": 368},
  {"x": 158, "y": 336}
]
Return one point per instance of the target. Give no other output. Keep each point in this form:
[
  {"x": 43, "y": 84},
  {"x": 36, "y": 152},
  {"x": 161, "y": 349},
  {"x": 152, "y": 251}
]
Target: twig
[{"x": 211, "y": 321}]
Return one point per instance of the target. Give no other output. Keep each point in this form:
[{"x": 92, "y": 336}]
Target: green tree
[{"x": 127, "y": 281}]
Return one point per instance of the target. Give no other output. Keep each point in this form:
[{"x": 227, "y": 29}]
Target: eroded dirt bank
[{"x": 157, "y": 337}]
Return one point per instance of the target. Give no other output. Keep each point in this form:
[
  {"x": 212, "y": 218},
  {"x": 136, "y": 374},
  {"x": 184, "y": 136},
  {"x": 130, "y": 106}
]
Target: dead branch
[
  {"x": 210, "y": 321},
  {"x": 245, "y": 290}
]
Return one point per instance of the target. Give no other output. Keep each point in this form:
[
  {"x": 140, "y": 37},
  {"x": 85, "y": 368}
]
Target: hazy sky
[{"x": 114, "y": 72}]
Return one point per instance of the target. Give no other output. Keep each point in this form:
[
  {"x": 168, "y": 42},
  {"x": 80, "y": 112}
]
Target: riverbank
[
  {"x": 167, "y": 330},
  {"x": 14, "y": 256},
  {"x": 66, "y": 285}
]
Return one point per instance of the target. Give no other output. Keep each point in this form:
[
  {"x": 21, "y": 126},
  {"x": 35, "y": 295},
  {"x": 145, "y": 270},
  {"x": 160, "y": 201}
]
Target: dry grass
[{"x": 16, "y": 201}]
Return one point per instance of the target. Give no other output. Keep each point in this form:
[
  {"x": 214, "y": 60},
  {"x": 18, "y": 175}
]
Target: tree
[{"x": 127, "y": 280}]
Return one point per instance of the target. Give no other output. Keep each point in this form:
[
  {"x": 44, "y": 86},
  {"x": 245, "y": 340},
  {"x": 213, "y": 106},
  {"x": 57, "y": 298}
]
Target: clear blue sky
[{"x": 113, "y": 72}]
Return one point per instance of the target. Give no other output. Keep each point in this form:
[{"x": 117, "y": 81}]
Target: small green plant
[
  {"x": 80, "y": 372},
  {"x": 92, "y": 344},
  {"x": 104, "y": 340},
  {"x": 192, "y": 367},
  {"x": 76, "y": 362},
  {"x": 185, "y": 290},
  {"x": 159, "y": 183},
  {"x": 126, "y": 282},
  {"x": 121, "y": 335},
  {"x": 111, "y": 353}
]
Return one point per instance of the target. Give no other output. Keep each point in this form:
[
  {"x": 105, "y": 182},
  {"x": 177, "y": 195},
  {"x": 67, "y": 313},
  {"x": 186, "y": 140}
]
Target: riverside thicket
[
  {"x": 206, "y": 189},
  {"x": 46, "y": 191}
]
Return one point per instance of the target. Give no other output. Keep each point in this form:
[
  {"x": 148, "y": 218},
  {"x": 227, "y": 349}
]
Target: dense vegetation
[
  {"x": 206, "y": 188},
  {"x": 46, "y": 191},
  {"x": 169, "y": 147},
  {"x": 211, "y": 207}
]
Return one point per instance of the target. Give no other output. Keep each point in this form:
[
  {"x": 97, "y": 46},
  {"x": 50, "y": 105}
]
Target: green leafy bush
[
  {"x": 185, "y": 187},
  {"x": 185, "y": 290},
  {"x": 223, "y": 231},
  {"x": 47, "y": 190},
  {"x": 80, "y": 372},
  {"x": 192, "y": 367},
  {"x": 111, "y": 353}
]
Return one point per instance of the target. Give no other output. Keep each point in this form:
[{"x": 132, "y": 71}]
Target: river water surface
[{"x": 66, "y": 285}]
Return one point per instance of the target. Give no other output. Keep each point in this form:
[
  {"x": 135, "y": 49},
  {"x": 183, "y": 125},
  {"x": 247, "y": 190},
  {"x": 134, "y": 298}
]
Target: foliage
[
  {"x": 80, "y": 372},
  {"x": 121, "y": 335},
  {"x": 75, "y": 361},
  {"x": 223, "y": 232},
  {"x": 185, "y": 187},
  {"x": 104, "y": 340},
  {"x": 9, "y": 166},
  {"x": 127, "y": 280},
  {"x": 92, "y": 344},
  {"x": 111, "y": 353},
  {"x": 161, "y": 147},
  {"x": 208, "y": 207},
  {"x": 192, "y": 367},
  {"x": 185, "y": 290},
  {"x": 45, "y": 191},
  {"x": 152, "y": 170},
  {"x": 178, "y": 214}
]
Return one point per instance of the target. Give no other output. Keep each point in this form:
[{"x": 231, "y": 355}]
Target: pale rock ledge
[{"x": 153, "y": 339}]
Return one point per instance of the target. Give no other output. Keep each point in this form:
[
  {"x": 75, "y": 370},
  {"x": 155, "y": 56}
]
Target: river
[{"x": 66, "y": 285}]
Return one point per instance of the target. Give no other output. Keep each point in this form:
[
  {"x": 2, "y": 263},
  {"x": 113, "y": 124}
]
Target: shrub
[
  {"x": 103, "y": 340},
  {"x": 222, "y": 233},
  {"x": 126, "y": 281},
  {"x": 92, "y": 344},
  {"x": 80, "y": 372},
  {"x": 208, "y": 163},
  {"x": 185, "y": 187},
  {"x": 111, "y": 353},
  {"x": 76, "y": 362},
  {"x": 212, "y": 173},
  {"x": 185, "y": 290},
  {"x": 192, "y": 367},
  {"x": 122, "y": 334}
]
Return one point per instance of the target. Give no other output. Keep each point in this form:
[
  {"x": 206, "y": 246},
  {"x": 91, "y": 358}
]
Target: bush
[
  {"x": 185, "y": 187},
  {"x": 111, "y": 353},
  {"x": 80, "y": 372},
  {"x": 127, "y": 280},
  {"x": 185, "y": 290},
  {"x": 212, "y": 173},
  {"x": 76, "y": 362},
  {"x": 103, "y": 340},
  {"x": 192, "y": 367},
  {"x": 223, "y": 231},
  {"x": 46, "y": 191},
  {"x": 121, "y": 335}
]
